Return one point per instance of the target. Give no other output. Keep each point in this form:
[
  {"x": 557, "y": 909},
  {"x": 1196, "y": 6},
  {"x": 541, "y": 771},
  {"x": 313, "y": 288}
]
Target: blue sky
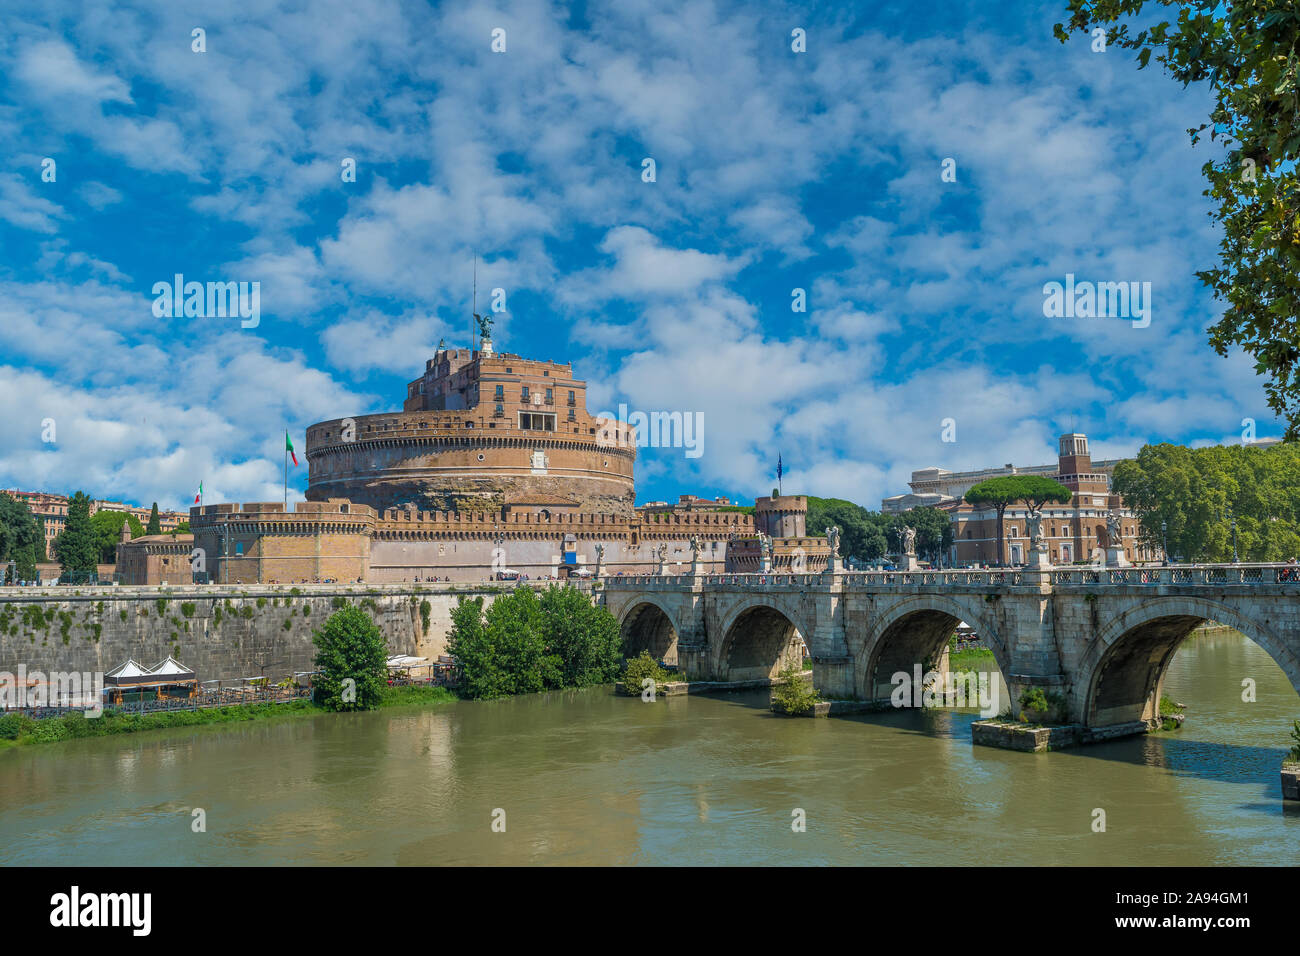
[{"x": 775, "y": 170}]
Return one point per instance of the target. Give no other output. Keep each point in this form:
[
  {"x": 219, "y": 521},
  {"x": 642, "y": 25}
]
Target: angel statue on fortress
[{"x": 484, "y": 326}]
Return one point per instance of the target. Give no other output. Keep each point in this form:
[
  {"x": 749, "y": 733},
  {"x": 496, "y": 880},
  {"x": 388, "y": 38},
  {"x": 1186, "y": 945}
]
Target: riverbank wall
[{"x": 222, "y": 632}]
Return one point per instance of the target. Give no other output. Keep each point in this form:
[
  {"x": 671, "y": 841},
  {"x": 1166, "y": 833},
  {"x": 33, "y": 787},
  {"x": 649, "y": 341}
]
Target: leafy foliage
[
  {"x": 107, "y": 526},
  {"x": 585, "y": 637},
  {"x": 1246, "y": 52},
  {"x": 1196, "y": 492},
  {"x": 22, "y": 539},
  {"x": 644, "y": 666},
  {"x": 1294, "y": 752},
  {"x": 155, "y": 522},
  {"x": 862, "y": 532},
  {"x": 522, "y": 643},
  {"x": 796, "y": 695},
  {"x": 350, "y": 646},
  {"x": 871, "y": 535}
]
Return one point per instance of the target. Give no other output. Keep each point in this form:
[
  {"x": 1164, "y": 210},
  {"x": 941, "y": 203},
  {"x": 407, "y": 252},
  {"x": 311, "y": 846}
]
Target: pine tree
[
  {"x": 77, "y": 546},
  {"x": 155, "y": 524}
]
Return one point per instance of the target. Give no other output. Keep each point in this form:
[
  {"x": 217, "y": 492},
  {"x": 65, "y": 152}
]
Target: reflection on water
[{"x": 585, "y": 777}]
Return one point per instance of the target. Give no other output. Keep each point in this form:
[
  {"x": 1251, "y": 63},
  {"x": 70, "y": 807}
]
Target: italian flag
[
  {"x": 288, "y": 446},
  {"x": 199, "y": 496}
]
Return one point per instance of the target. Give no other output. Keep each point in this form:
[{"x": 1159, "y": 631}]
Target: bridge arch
[
  {"x": 1122, "y": 673},
  {"x": 647, "y": 624},
  {"x": 915, "y": 629},
  {"x": 760, "y": 637}
]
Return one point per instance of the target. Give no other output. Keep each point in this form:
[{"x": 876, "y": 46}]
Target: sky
[{"x": 130, "y": 157}]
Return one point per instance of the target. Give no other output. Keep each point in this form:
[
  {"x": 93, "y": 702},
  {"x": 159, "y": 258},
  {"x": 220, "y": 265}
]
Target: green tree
[
  {"x": 22, "y": 539},
  {"x": 516, "y": 631},
  {"x": 1197, "y": 492},
  {"x": 350, "y": 656},
  {"x": 862, "y": 532},
  {"x": 933, "y": 530},
  {"x": 796, "y": 695},
  {"x": 584, "y": 636},
  {"x": 182, "y": 528},
  {"x": 77, "y": 547},
  {"x": 469, "y": 645},
  {"x": 1246, "y": 52},
  {"x": 155, "y": 523},
  {"x": 1005, "y": 490},
  {"x": 524, "y": 643},
  {"x": 107, "y": 526}
]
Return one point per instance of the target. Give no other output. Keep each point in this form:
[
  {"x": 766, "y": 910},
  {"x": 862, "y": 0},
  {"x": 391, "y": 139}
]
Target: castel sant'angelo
[{"x": 492, "y": 467}]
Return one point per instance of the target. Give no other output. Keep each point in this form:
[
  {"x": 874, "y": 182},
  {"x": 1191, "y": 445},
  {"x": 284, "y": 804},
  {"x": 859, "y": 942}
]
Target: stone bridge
[{"x": 1101, "y": 638}]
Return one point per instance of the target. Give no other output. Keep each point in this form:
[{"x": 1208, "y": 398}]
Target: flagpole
[{"x": 286, "y": 478}]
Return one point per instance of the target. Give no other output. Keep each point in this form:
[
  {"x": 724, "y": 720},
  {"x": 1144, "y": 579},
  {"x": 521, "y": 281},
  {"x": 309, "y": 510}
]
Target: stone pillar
[
  {"x": 1115, "y": 557},
  {"x": 833, "y": 676}
]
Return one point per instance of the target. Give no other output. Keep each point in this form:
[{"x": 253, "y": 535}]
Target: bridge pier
[{"x": 833, "y": 676}]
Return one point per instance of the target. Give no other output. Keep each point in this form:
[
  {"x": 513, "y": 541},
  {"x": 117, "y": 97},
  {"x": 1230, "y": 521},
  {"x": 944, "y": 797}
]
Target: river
[{"x": 584, "y": 777}]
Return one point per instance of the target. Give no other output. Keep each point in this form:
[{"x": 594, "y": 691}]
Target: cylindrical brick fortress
[{"x": 479, "y": 432}]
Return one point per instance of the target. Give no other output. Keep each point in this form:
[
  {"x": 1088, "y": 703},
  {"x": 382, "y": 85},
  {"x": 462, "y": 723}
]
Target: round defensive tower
[
  {"x": 783, "y": 516},
  {"x": 479, "y": 431}
]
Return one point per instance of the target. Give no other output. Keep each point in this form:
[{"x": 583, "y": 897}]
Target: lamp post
[{"x": 1164, "y": 541}]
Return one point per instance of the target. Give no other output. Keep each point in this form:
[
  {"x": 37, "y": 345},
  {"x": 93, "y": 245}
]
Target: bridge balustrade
[{"x": 1221, "y": 574}]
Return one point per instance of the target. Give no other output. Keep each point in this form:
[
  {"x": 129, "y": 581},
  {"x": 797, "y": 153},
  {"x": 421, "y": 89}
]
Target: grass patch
[
  {"x": 20, "y": 730},
  {"x": 971, "y": 659}
]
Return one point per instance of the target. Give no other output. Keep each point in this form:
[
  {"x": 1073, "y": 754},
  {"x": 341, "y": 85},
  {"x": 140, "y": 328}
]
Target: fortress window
[
  {"x": 533, "y": 421},
  {"x": 500, "y": 410},
  {"x": 525, "y": 393},
  {"x": 572, "y": 398},
  {"x": 501, "y": 393},
  {"x": 550, "y": 397}
]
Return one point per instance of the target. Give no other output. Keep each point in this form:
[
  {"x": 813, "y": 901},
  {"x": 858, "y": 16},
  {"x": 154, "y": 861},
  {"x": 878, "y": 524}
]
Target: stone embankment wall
[{"x": 222, "y": 632}]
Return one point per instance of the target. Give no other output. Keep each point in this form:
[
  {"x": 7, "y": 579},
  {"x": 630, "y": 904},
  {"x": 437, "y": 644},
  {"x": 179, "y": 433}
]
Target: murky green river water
[{"x": 584, "y": 777}]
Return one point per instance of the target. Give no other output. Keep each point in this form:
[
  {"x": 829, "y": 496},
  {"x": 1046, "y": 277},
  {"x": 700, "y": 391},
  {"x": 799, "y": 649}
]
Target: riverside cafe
[{"x": 130, "y": 682}]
